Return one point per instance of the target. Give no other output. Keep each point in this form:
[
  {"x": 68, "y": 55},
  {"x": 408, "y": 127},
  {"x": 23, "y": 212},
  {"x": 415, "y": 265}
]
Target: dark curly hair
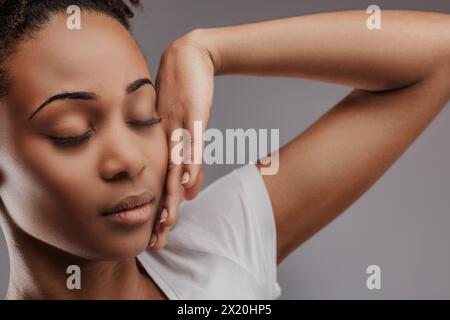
[{"x": 19, "y": 19}]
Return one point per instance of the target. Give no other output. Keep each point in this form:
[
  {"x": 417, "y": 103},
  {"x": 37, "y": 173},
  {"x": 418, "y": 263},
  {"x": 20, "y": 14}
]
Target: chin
[
  {"x": 118, "y": 247},
  {"x": 128, "y": 249}
]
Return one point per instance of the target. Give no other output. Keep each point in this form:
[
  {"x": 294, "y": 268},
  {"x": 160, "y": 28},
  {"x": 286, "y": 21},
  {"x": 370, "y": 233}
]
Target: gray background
[{"x": 400, "y": 224}]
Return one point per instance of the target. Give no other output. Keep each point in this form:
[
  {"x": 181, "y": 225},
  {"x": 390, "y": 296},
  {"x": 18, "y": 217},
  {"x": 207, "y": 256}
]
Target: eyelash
[{"x": 77, "y": 140}]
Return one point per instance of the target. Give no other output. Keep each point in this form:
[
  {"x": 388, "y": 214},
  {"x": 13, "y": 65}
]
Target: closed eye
[
  {"x": 145, "y": 123},
  {"x": 78, "y": 140}
]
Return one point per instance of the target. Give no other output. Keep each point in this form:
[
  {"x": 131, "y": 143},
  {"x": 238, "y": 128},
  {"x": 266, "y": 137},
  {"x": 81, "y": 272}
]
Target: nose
[{"x": 122, "y": 155}]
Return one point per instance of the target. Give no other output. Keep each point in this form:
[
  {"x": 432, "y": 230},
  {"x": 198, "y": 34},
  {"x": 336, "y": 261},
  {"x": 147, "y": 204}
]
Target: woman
[{"x": 85, "y": 173}]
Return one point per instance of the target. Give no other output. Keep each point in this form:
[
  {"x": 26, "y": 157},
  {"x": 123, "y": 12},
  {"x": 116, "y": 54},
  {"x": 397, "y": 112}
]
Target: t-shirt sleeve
[{"x": 233, "y": 218}]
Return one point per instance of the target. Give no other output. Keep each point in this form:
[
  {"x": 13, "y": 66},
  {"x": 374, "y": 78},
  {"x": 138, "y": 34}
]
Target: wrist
[{"x": 202, "y": 41}]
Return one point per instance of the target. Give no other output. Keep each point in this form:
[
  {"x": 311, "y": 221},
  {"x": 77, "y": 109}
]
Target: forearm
[{"x": 335, "y": 47}]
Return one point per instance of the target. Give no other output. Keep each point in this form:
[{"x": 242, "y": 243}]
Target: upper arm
[{"x": 333, "y": 162}]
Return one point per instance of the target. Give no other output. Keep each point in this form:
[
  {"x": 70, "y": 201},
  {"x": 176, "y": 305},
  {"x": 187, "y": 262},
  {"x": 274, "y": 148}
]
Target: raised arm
[
  {"x": 335, "y": 47},
  {"x": 401, "y": 76}
]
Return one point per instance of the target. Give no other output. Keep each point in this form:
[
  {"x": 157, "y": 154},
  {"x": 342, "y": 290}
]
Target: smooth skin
[
  {"x": 52, "y": 195},
  {"x": 401, "y": 80}
]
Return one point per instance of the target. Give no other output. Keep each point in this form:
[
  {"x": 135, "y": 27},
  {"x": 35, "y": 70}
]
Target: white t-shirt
[{"x": 223, "y": 245}]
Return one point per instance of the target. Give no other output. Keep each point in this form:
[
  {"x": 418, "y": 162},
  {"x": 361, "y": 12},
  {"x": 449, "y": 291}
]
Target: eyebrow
[{"x": 84, "y": 95}]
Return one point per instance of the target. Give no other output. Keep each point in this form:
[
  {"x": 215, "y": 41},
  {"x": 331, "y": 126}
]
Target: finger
[
  {"x": 173, "y": 194},
  {"x": 196, "y": 125},
  {"x": 157, "y": 230},
  {"x": 166, "y": 220},
  {"x": 161, "y": 231},
  {"x": 161, "y": 239},
  {"x": 161, "y": 213},
  {"x": 174, "y": 175},
  {"x": 191, "y": 193}
]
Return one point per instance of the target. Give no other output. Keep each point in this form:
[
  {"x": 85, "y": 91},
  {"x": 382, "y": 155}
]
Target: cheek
[
  {"x": 158, "y": 156},
  {"x": 162, "y": 175},
  {"x": 38, "y": 188},
  {"x": 67, "y": 177},
  {"x": 51, "y": 182},
  {"x": 54, "y": 170},
  {"x": 43, "y": 182},
  {"x": 27, "y": 196}
]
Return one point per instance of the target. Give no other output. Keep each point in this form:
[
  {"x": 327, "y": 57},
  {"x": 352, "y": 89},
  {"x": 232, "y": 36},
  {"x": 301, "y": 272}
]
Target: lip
[
  {"x": 129, "y": 203},
  {"x": 132, "y": 217}
]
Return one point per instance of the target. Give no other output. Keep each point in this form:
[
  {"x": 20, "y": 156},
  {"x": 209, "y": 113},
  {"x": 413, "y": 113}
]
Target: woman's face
[{"x": 55, "y": 190}]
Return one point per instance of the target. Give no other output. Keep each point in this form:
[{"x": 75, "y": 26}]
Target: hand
[{"x": 184, "y": 88}]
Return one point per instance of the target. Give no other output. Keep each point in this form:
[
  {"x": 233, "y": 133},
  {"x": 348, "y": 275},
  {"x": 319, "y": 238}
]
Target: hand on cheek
[
  {"x": 171, "y": 203},
  {"x": 166, "y": 220}
]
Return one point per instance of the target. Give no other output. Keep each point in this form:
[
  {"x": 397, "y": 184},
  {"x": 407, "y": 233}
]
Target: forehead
[{"x": 101, "y": 56}]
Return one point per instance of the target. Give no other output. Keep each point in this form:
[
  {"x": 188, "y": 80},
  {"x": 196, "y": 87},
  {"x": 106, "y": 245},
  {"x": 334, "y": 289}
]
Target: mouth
[
  {"x": 129, "y": 203},
  {"x": 131, "y": 210}
]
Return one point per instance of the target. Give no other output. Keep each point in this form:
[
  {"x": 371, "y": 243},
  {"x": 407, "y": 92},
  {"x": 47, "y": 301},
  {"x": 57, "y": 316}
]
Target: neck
[{"x": 39, "y": 271}]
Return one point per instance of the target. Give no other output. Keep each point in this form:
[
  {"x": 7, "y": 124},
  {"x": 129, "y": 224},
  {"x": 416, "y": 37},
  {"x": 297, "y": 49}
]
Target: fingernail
[
  {"x": 164, "y": 216},
  {"x": 185, "y": 178},
  {"x": 153, "y": 240}
]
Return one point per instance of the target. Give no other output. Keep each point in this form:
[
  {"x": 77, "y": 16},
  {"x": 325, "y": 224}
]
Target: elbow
[
  {"x": 446, "y": 55},
  {"x": 441, "y": 66},
  {"x": 441, "y": 56},
  {"x": 446, "y": 58},
  {"x": 446, "y": 69},
  {"x": 446, "y": 78}
]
